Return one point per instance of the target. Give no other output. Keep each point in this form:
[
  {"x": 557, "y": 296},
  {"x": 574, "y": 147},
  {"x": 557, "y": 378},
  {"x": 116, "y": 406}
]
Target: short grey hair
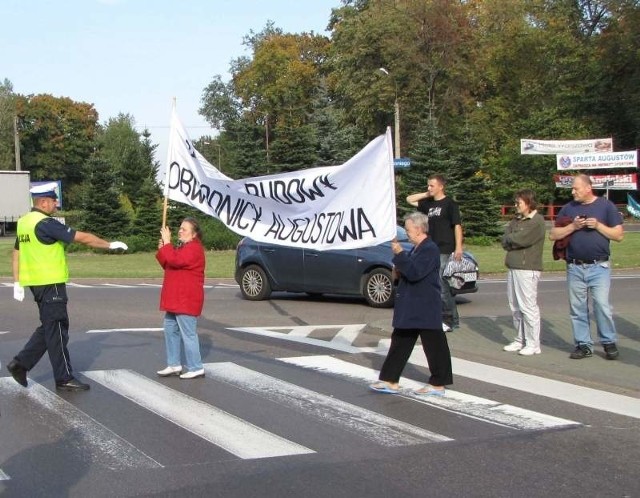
[{"x": 420, "y": 220}]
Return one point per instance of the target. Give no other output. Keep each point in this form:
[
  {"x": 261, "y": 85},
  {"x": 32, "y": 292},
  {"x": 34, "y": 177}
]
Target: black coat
[{"x": 418, "y": 304}]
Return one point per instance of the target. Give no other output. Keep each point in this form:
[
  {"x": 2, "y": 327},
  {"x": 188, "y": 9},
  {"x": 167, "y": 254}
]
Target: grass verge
[{"x": 220, "y": 264}]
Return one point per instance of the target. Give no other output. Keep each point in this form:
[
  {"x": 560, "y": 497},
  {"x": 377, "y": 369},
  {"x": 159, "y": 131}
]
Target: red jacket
[{"x": 183, "y": 284}]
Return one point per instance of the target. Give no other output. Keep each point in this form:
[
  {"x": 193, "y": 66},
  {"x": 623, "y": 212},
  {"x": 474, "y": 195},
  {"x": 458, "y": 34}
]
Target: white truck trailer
[{"x": 15, "y": 200}]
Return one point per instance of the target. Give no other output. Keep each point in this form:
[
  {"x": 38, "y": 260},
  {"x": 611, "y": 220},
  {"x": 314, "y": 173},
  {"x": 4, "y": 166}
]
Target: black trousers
[
  {"x": 52, "y": 335},
  {"x": 436, "y": 349}
]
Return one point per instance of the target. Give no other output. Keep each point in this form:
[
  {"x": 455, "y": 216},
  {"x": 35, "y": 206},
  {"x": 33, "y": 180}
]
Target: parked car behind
[{"x": 262, "y": 268}]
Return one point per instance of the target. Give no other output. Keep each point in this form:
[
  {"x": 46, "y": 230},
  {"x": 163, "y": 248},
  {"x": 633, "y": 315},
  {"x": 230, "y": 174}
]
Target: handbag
[{"x": 458, "y": 273}]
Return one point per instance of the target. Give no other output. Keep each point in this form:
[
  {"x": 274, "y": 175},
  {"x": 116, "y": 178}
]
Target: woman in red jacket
[{"x": 182, "y": 297}]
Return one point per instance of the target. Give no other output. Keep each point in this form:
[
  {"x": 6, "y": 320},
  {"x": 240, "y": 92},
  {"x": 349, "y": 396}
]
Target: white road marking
[
  {"x": 297, "y": 337},
  {"x": 120, "y": 286},
  {"x": 227, "y": 431},
  {"x": 4, "y": 476},
  {"x": 90, "y": 437},
  {"x": 563, "y": 391},
  {"x": 142, "y": 329},
  {"x": 454, "y": 401},
  {"x": 378, "y": 428}
]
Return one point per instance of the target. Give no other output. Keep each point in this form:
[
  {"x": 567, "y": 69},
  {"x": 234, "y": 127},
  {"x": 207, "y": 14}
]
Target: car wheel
[
  {"x": 254, "y": 283},
  {"x": 378, "y": 288}
]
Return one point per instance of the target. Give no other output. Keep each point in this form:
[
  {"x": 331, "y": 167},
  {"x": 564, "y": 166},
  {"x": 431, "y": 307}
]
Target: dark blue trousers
[{"x": 52, "y": 335}]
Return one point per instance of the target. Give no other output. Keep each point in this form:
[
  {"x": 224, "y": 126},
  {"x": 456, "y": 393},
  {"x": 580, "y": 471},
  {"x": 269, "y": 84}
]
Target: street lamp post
[
  {"x": 219, "y": 158},
  {"x": 396, "y": 116}
]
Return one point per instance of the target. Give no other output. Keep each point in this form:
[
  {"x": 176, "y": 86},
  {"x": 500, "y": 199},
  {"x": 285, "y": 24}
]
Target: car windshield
[{"x": 401, "y": 234}]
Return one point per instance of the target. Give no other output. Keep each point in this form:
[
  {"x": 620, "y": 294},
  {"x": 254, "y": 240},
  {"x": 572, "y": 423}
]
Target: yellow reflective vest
[{"x": 39, "y": 264}]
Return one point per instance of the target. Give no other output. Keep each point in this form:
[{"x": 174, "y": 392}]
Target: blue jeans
[
  {"x": 449, "y": 308},
  {"x": 179, "y": 328},
  {"x": 594, "y": 280}
]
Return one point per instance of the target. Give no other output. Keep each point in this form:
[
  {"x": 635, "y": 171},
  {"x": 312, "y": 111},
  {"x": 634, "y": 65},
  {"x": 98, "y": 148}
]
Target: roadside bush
[
  {"x": 216, "y": 236},
  {"x": 141, "y": 243},
  {"x": 480, "y": 240}
]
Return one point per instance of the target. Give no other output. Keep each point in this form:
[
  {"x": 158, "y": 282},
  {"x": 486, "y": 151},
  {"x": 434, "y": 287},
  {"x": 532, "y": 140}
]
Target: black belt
[{"x": 587, "y": 261}]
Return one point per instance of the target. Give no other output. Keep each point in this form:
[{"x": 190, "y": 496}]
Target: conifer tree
[
  {"x": 148, "y": 215},
  {"x": 471, "y": 188},
  {"x": 429, "y": 156},
  {"x": 103, "y": 213}
]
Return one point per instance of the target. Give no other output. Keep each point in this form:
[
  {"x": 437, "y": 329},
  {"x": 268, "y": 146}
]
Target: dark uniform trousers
[
  {"x": 435, "y": 347},
  {"x": 52, "y": 335}
]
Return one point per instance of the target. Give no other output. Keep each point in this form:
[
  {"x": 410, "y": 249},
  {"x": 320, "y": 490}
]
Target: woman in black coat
[{"x": 417, "y": 312}]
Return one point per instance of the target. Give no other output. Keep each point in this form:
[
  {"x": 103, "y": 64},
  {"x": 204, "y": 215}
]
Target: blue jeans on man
[
  {"x": 590, "y": 279},
  {"x": 449, "y": 309}
]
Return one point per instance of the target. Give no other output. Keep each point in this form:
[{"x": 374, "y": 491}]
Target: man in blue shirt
[{"x": 595, "y": 221}]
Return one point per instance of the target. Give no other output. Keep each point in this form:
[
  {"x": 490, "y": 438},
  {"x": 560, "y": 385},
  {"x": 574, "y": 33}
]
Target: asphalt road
[{"x": 285, "y": 411}]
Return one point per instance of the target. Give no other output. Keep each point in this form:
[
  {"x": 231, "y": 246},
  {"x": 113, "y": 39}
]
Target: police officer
[{"x": 39, "y": 263}]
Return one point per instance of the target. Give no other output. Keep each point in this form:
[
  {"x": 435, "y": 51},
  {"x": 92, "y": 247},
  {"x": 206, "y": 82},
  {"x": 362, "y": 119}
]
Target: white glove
[
  {"x": 18, "y": 291},
  {"x": 118, "y": 245}
]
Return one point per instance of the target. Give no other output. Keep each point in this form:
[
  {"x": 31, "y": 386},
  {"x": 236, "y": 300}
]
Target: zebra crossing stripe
[
  {"x": 378, "y": 428},
  {"x": 86, "y": 434},
  {"x": 457, "y": 402},
  {"x": 142, "y": 329},
  {"x": 299, "y": 334},
  {"x": 227, "y": 431}
]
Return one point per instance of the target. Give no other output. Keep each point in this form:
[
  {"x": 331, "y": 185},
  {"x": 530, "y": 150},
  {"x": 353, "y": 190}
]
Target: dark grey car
[{"x": 262, "y": 268}]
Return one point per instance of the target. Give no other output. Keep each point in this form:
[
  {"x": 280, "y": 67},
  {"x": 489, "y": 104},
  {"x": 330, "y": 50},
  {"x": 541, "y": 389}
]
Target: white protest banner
[
  {"x": 331, "y": 207},
  {"x": 532, "y": 146},
  {"x": 626, "y": 159},
  {"x": 612, "y": 182}
]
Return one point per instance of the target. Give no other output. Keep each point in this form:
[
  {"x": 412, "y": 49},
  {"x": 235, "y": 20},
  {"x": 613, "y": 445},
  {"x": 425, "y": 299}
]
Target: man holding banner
[{"x": 596, "y": 221}]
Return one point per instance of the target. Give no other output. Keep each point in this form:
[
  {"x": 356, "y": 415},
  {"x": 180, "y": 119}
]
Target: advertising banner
[
  {"x": 625, "y": 159},
  {"x": 613, "y": 182},
  {"x": 531, "y": 146}
]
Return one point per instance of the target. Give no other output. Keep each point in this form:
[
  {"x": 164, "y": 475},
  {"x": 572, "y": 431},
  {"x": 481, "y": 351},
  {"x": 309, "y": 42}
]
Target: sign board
[
  {"x": 531, "y": 146},
  {"x": 625, "y": 159},
  {"x": 612, "y": 182},
  {"x": 401, "y": 162}
]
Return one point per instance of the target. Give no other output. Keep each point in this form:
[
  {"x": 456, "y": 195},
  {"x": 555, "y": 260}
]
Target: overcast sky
[{"x": 135, "y": 56}]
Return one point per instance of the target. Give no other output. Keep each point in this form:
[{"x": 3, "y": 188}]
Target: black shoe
[
  {"x": 18, "y": 372},
  {"x": 611, "y": 351},
  {"x": 72, "y": 385},
  {"x": 581, "y": 351}
]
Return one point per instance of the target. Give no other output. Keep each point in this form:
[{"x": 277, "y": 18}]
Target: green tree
[
  {"x": 472, "y": 189},
  {"x": 294, "y": 148},
  {"x": 279, "y": 80},
  {"x": 148, "y": 215},
  {"x": 336, "y": 140},
  {"x": 423, "y": 46},
  {"x": 103, "y": 213},
  {"x": 7, "y": 117},
  {"x": 129, "y": 155},
  {"x": 429, "y": 156},
  {"x": 57, "y": 137}
]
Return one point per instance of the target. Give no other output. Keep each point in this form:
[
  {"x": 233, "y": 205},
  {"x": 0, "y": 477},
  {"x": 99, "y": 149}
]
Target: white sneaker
[
  {"x": 446, "y": 327},
  {"x": 169, "y": 371},
  {"x": 529, "y": 351},
  {"x": 514, "y": 346},
  {"x": 193, "y": 375}
]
